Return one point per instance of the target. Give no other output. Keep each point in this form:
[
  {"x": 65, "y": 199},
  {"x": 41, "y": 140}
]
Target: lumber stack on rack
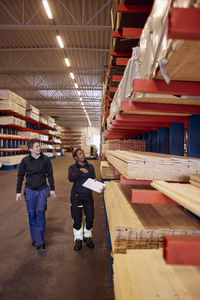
[
  {"x": 142, "y": 226},
  {"x": 143, "y": 274},
  {"x": 153, "y": 166},
  {"x": 195, "y": 180},
  {"x": 128, "y": 145},
  {"x": 186, "y": 195},
  {"x": 107, "y": 172},
  {"x": 11, "y": 160}
]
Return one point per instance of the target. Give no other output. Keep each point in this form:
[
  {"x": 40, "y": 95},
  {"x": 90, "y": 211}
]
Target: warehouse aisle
[{"x": 60, "y": 273}]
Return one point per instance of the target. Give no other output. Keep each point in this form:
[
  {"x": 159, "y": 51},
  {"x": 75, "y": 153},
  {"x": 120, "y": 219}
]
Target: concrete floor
[{"x": 59, "y": 273}]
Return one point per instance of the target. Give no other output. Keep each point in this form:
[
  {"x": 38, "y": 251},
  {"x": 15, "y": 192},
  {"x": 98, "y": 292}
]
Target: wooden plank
[
  {"x": 142, "y": 226},
  {"x": 146, "y": 276},
  {"x": 195, "y": 177},
  {"x": 195, "y": 183},
  {"x": 167, "y": 99},
  {"x": 177, "y": 250},
  {"x": 184, "y": 64},
  {"x": 153, "y": 166},
  {"x": 161, "y": 107},
  {"x": 186, "y": 195}
]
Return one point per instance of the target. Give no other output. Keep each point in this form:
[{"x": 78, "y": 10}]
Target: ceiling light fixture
[
  {"x": 67, "y": 62},
  {"x": 79, "y": 93},
  {"x": 47, "y": 8},
  {"x": 81, "y": 99},
  {"x": 76, "y": 85},
  {"x": 71, "y": 75},
  {"x": 60, "y": 42}
]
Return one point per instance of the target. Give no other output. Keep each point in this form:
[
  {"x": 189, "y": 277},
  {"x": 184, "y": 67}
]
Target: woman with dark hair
[{"x": 81, "y": 200}]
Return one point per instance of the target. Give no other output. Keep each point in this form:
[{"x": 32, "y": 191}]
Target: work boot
[
  {"x": 41, "y": 247},
  {"x": 89, "y": 242},
  {"x": 78, "y": 245},
  {"x": 33, "y": 242}
]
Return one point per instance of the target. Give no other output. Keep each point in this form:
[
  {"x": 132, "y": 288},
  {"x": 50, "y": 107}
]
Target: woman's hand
[{"x": 83, "y": 170}]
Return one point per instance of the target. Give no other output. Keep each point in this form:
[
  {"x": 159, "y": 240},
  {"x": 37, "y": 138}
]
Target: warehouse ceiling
[{"x": 32, "y": 63}]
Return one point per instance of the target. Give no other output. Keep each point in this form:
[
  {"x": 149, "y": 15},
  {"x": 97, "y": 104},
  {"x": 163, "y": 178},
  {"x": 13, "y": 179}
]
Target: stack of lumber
[
  {"x": 128, "y": 145},
  {"x": 32, "y": 112},
  {"x": 10, "y": 120},
  {"x": 29, "y": 134},
  {"x": 144, "y": 275},
  {"x": 186, "y": 195},
  {"x": 195, "y": 180},
  {"x": 153, "y": 166},
  {"x": 107, "y": 172},
  {"x": 43, "y": 120},
  {"x": 182, "y": 55},
  {"x": 142, "y": 226},
  {"x": 50, "y": 121},
  {"x": 13, "y": 102},
  {"x": 11, "y": 160},
  {"x": 13, "y": 136}
]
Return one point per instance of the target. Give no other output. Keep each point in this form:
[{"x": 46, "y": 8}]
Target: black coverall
[{"x": 81, "y": 197}]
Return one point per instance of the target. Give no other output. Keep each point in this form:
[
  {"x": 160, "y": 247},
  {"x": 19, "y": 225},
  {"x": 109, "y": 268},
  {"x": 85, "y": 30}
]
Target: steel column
[
  {"x": 153, "y": 141},
  {"x": 146, "y": 138},
  {"x": 163, "y": 140},
  {"x": 194, "y": 136},
  {"x": 177, "y": 139}
]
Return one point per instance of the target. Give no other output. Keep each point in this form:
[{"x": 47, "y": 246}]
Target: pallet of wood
[
  {"x": 12, "y": 97},
  {"x": 153, "y": 166},
  {"x": 195, "y": 180},
  {"x": 10, "y": 120},
  {"x": 107, "y": 172},
  {"x": 139, "y": 226},
  {"x": 11, "y": 160},
  {"x": 144, "y": 275},
  {"x": 186, "y": 195}
]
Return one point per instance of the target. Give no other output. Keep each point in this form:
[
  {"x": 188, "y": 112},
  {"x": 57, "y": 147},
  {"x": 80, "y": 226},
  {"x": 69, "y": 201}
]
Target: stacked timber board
[
  {"x": 128, "y": 145},
  {"x": 144, "y": 275},
  {"x": 11, "y": 160},
  {"x": 195, "y": 180},
  {"x": 153, "y": 166},
  {"x": 186, "y": 195},
  {"x": 142, "y": 226},
  {"x": 107, "y": 172}
]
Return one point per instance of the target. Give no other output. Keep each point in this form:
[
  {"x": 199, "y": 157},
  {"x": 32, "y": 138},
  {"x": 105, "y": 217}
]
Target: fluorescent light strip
[
  {"x": 71, "y": 75},
  {"x": 76, "y": 85},
  {"x": 47, "y": 9},
  {"x": 67, "y": 62},
  {"x": 78, "y": 93},
  {"x": 60, "y": 42}
]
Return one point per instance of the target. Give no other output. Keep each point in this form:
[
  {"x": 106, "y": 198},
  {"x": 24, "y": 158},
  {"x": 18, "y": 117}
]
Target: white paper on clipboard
[{"x": 94, "y": 185}]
